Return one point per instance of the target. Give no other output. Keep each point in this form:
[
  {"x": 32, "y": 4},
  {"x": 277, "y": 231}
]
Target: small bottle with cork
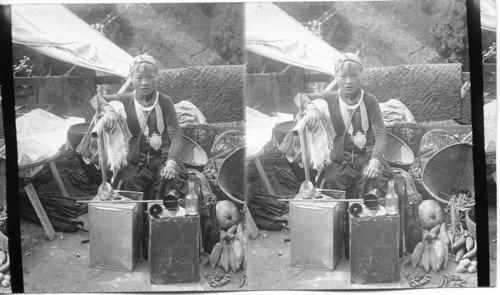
[
  {"x": 191, "y": 201},
  {"x": 391, "y": 200}
]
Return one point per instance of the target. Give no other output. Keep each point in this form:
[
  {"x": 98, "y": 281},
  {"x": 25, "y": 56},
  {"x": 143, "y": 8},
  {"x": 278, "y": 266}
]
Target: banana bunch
[
  {"x": 232, "y": 251},
  {"x": 432, "y": 252}
]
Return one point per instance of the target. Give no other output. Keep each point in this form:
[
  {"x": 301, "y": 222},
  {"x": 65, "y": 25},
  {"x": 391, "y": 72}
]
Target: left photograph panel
[{"x": 130, "y": 141}]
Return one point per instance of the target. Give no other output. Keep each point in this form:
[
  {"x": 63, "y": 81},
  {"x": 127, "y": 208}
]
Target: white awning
[
  {"x": 55, "y": 31},
  {"x": 272, "y": 33},
  {"x": 488, "y": 15}
]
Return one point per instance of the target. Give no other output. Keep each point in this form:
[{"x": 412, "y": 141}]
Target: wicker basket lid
[
  {"x": 232, "y": 176},
  {"x": 397, "y": 152},
  {"x": 449, "y": 169},
  {"x": 192, "y": 154}
]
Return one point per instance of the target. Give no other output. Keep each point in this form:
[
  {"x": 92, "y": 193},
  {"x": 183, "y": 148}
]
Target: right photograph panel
[{"x": 359, "y": 144}]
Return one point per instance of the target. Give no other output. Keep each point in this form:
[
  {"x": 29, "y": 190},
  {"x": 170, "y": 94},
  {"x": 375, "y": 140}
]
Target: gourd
[
  {"x": 227, "y": 214},
  {"x": 430, "y": 214}
]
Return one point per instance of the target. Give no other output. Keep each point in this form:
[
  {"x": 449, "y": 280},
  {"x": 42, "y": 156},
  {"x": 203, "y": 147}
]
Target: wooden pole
[
  {"x": 121, "y": 201},
  {"x": 300, "y": 129},
  {"x": 332, "y": 85},
  {"x": 321, "y": 200}
]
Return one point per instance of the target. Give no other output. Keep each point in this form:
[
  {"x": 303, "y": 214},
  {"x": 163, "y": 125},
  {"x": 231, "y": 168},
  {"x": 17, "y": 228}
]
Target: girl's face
[
  {"x": 144, "y": 81},
  {"x": 349, "y": 79}
]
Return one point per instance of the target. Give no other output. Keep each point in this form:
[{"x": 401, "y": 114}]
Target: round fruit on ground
[
  {"x": 227, "y": 214},
  {"x": 430, "y": 214}
]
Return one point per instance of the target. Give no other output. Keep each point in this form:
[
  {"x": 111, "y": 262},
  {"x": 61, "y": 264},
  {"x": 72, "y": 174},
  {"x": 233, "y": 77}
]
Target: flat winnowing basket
[
  {"x": 232, "y": 176},
  {"x": 192, "y": 155},
  {"x": 450, "y": 168},
  {"x": 397, "y": 153},
  {"x": 409, "y": 133}
]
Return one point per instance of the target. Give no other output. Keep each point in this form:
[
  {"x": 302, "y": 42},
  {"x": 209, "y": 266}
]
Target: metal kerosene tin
[
  {"x": 174, "y": 246},
  {"x": 374, "y": 246},
  {"x": 115, "y": 232},
  {"x": 316, "y": 232}
]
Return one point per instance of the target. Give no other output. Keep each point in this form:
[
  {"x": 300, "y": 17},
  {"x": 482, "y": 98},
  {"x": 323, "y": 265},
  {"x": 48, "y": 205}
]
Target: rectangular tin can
[
  {"x": 316, "y": 232},
  {"x": 174, "y": 248},
  {"x": 374, "y": 248},
  {"x": 115, "y": 232}
]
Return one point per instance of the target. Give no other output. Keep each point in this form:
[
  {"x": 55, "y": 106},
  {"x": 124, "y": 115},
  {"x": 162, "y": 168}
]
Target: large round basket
[
  {"x": 397, "y": 153},
  {"x": 409, "y": 133},
  {"x": 281, "y": 130},
  {"x": 232, "y": 176},
  {"x": 202, "y": 134},
  {"x": 449, "y": 169},
  {"x": 192, "y": 155}
]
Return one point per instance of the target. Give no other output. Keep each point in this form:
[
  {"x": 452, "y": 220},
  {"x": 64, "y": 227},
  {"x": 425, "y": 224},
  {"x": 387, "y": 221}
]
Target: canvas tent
[
  {"x": 56, "y": 32},
  {"x": 488, "y": 15},
  {"x": 272, "y": 33}
]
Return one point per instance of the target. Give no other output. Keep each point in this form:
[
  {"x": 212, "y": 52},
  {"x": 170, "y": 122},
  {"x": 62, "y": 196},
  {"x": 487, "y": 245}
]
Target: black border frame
[{"x": 477, "y": 103}]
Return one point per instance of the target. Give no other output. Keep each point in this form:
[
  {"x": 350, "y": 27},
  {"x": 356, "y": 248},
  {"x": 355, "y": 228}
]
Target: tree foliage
[
  {"x": 336, "y": 29},
  {"x": 226, "y": 36},
  {"x": 116, "y": 27},
  {"x": 448, "y": 34}
]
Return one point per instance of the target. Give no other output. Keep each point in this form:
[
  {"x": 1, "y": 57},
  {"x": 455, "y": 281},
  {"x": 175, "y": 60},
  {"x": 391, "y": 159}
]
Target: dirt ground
[
  {"x": 62, "y": 265},
  {"x": 272, "y": 254}
]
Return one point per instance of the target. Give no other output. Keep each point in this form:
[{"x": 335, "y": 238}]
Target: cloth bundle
[
  {"x": 116, "y": 144},
  {"x": 267, "y": 212},
  {"x": 188, "y": 113},
  {"x": 63, "y": 213},
  {"x": 394, "y": 111},
  {"x": 319, "y": 142}
]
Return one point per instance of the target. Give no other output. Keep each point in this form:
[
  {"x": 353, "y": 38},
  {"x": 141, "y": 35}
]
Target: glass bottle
[
  {"x": 191, "y": 201},
  {"x": 413, "y": 233},
  {"x": 391, "y": 200}
]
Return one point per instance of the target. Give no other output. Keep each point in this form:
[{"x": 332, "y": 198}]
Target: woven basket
[
  {"x": 448, "y": 169},
  {"x": 192, "y": 155},
  {"x": 437, "y": 139},
  {"x": 397, "y": 153},
  {"x": 202, "y": 134},
  {"x": 409, "y": 133},
  {"x": 232, "y": 176}
]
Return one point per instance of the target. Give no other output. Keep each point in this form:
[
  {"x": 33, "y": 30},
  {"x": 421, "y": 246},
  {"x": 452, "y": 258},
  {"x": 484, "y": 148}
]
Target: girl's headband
[
  {"x": 143, "y": 59},
  {"x": 346, "y": 58}
]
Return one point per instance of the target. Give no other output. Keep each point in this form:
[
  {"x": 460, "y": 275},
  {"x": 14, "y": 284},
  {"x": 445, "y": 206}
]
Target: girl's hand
[
  {"x": 168, "y": 171},
  {"x": 313, "y": 120},
  {"x": 110, "y": 121},
  {"x": 371, "y": 171}
]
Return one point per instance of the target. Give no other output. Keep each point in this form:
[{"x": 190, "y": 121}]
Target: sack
[
  {"x": 188, "y": 113},
  {"x": 394, "y": 111}
]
